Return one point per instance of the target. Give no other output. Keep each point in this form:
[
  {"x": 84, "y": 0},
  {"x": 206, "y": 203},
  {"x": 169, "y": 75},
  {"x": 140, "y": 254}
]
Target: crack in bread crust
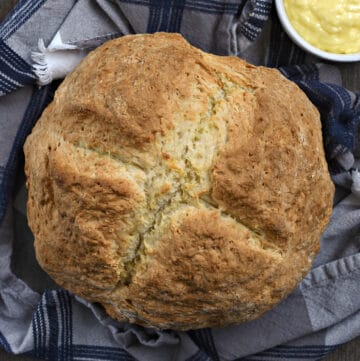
[
  {"x": 186, "y": 136},
  {"x": 179, "y": 193}
]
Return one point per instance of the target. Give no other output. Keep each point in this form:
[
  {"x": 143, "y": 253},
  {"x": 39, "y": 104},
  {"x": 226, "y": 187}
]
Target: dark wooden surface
[
  {"x": 350, "y": 73},
  {"x": 6, "y": 6},
  {"x": 351, "y": 79}
]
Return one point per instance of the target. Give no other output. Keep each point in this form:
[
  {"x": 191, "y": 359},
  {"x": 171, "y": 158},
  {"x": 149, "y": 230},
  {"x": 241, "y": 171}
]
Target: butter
[{"x": 330, "y": 25}]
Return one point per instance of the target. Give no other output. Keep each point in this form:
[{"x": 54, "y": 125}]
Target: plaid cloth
[{"x": 39, "y": 318}]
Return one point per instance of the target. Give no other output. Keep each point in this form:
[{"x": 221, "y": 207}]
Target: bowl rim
[{"x": 303, "y": 44}]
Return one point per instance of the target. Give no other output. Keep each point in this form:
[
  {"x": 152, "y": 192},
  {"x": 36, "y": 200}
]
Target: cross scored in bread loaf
[{"x": 177, "y": 188}]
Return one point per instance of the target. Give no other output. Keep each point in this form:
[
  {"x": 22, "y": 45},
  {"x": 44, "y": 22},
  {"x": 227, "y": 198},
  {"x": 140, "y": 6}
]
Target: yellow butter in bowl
[{"x": 330, "y": 25}]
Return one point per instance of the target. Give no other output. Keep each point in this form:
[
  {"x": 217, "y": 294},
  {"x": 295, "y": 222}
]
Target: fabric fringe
[
  {"x": 41, "y": 65},
  {"x": 56, "y": 60}
]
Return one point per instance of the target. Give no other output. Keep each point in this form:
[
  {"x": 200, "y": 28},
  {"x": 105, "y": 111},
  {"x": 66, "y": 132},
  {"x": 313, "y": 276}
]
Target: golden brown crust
[{"x": 179, "y": 189}]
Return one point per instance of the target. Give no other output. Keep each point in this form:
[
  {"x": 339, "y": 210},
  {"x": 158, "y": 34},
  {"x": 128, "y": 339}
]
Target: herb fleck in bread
[{"x": 177, "y": 188}]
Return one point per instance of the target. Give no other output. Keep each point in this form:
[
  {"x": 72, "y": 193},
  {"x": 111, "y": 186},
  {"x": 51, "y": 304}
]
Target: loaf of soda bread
[{"x": 177, "y": 188}]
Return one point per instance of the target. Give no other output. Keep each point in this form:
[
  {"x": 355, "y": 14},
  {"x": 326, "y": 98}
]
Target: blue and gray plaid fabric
[{"x": 38, "y": 318}]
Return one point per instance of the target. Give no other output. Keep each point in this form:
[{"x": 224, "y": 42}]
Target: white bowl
[{"x": 303, "y": 44}]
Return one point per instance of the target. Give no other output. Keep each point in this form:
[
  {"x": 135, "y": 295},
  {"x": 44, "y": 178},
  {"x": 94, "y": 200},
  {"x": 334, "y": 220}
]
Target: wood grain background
[{"x": 351, "y": 79}]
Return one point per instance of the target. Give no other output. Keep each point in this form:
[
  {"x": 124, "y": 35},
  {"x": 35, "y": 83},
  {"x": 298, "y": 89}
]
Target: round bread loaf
[{"x": 177, "y": 188}]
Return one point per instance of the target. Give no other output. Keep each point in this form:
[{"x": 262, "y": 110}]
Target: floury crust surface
[{"x": 177, "y": 188}]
